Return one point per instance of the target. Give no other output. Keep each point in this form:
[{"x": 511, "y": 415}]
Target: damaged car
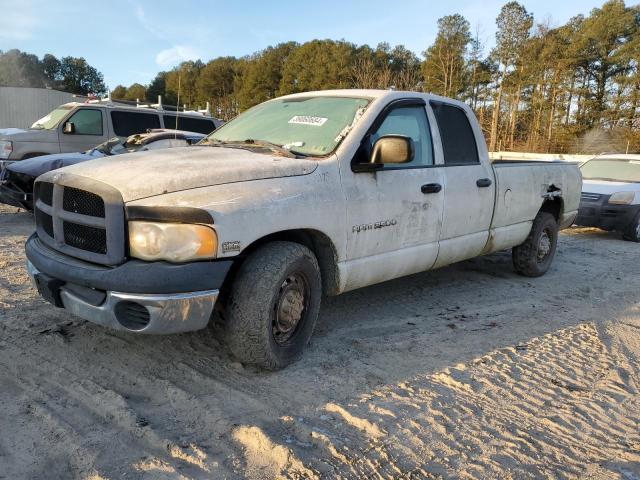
[{"x": 16, "y": 178}]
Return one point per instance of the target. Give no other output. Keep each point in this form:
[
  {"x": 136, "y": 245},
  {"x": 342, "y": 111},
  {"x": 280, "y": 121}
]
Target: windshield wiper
[
  {"x": 265, "y": 143},
  {"x": 214, "y": 142}
]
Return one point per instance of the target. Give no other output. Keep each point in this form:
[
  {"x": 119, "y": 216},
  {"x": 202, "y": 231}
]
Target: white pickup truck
[{"x": 309, "y": 194}]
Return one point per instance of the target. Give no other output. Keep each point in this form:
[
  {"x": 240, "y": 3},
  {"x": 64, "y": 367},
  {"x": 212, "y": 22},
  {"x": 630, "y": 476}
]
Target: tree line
[
  {"x": 68, "y": 74},
  {"x": 541, "y": 88}
]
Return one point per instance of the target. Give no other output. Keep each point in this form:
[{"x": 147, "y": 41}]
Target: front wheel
[
  {"x": 274, "y": 305},
  {"x": 632, "y": 233},
  {"x": 533, "y": 258}
]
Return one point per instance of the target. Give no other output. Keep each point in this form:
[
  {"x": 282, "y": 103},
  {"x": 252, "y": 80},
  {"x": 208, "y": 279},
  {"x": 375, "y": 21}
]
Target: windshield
[
  {"x": 52, "y": 119},
  {"x": 312, "y": 126},
  {"x": 612, "y": 169}
]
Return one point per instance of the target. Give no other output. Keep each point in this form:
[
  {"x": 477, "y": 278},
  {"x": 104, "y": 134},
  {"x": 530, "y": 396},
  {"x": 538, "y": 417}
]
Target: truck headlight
[
  {"x": 6, "y": 147},
  {"x": 622, "y": 198},
  {"x": 173, "y": 242}
]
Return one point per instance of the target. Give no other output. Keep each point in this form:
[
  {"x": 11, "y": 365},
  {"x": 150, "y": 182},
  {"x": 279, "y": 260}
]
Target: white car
[
  {"x": 610, "y": 197},
  {"x": 309, "y": 194}
]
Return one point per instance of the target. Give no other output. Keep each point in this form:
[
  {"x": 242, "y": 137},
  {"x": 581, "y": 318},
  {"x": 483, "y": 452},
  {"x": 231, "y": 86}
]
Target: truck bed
[{"x": 521, "y": 187}]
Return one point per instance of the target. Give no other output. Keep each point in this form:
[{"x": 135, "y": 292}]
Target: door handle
[
  {"x": 431, "y": 188},
  {"x": 484, "y": 182}
]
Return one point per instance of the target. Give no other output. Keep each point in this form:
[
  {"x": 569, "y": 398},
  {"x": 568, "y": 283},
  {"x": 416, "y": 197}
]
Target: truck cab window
[
  {"x": 458, "y": 141},
  {"x": 410, "y": 121},
  {"x": 87, "y": 122}
]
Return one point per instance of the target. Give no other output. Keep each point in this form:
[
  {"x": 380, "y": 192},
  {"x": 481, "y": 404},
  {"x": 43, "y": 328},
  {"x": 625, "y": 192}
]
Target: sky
[{"x": 131, "y": 40}]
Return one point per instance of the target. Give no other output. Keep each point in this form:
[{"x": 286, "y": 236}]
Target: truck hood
[
  {"x": 604, "y": 187},
  {"x": 28, "y": 135},
  {"x": 36, "y": 166},
  {"x": 146, "y": 174}
]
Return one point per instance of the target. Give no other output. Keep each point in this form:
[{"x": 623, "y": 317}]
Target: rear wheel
[
  {"x": 633, "y": 231},
  {"x": 533, "y": 258},
  {"x": 273, "y": 305}
]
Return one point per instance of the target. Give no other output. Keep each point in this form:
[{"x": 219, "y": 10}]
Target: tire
[
  {"x": 273, "y": 305},
  {"x": 533, "y": 257},
  {"x": 632, "y": 233}
]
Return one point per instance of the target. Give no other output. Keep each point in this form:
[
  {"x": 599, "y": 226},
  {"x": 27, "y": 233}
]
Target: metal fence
[{"x": 21, "y": 106}]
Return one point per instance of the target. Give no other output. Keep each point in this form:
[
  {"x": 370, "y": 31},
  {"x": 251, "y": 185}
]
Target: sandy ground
[{"x": 466, "y": 372}]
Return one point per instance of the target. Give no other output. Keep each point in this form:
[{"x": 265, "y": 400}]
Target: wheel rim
[
  {"x": 544, "y": 245},
  {"x": 638, "y": 229},
  {"x": 290, "y": 308}
]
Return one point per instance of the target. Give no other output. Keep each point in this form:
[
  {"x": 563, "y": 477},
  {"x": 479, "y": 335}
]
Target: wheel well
[
  {"x": 554, "y": 206},
  {"x": 319, "y": 243}
]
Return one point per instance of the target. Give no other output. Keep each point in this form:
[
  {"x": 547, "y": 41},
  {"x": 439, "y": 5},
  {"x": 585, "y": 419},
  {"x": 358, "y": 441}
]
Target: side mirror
[
  {"x": 392, "y": 149},
  {"x": 69, "y": 128}
]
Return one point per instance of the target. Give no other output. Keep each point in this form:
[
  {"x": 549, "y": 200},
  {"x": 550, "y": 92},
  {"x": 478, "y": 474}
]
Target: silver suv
[{"x": 76, "y": 127}]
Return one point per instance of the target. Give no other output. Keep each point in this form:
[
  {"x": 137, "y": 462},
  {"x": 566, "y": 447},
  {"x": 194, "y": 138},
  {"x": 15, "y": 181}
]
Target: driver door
[
  {"x": 394, "y": 214},
  {"x": 89, "y": 130}
]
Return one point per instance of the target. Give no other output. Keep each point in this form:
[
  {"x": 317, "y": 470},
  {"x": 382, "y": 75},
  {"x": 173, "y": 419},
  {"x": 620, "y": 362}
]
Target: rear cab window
[
  {"x": 458, "y": 140},
  {"x": 129, "y": 123}
]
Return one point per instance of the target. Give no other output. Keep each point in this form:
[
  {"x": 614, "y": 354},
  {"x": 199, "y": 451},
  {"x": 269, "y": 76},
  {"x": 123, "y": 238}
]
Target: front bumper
[
  {"x": 600, "y": 213},
  {"x": 10, "y": 193},
  {"x": 165, "y": 313},
  {"x": 164, "y": 298}
]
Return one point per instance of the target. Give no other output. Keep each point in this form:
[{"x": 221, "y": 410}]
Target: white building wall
[
  {"x": 21, "y": 106},
  {"x": 567, "y": 157}
]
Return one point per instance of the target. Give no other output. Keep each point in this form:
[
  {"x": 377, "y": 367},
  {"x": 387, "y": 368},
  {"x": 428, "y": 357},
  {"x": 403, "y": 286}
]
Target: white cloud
[
  {"x": 19, "y": 19},
  {"x": 147, "y": 25},
  {"x": 174, "y": 55},
  {"x": 170, "y": 56}
]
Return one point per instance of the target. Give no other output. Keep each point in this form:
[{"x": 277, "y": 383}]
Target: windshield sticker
[{"x": 308, "y": 120}]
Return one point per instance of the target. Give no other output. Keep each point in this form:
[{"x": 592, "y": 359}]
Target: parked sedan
[
  {"x": 16, "y": 178},
  {"x": 611, "y": 195}
]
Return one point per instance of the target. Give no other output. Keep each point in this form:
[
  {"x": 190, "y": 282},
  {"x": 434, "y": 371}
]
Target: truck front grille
[
  {"x": 80, "y": 223},
  {"x": 45, "y": 192},
  {"x": 45, "y": 221},
  {"x": 85, "y": 238},
  {"x": 84, "y": 203}
]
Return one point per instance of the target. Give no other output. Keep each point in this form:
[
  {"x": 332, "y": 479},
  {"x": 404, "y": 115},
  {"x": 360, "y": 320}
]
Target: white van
[{"x": 76, "y": 127}]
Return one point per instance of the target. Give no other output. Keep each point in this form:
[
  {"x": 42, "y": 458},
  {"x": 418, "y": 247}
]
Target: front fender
[{"x": 245, "y": 212}]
